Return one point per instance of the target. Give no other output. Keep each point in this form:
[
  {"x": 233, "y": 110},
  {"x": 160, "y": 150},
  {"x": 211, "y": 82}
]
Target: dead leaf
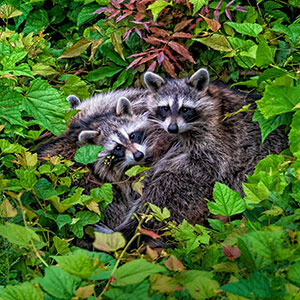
[
  {"x": 7, "y": 210},
  {"x": 173, "y": 264},
  {"x": 213, "y": 24},
  {"x": 150, "y": 233},
  {"x": 231, "y": 252},
  {"x": 85, "y": 291},
  {"x": 77, "y": 49}
]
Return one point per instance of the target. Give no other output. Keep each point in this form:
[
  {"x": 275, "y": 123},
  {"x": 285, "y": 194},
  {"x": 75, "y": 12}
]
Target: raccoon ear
[
  {"x": 74, "y": 101},
  {"x": 86, "y": 135},
  {"x": 153, "y": 81},
  {"x": 200, "y": 80},
  {"x": 123, "y": 107}
]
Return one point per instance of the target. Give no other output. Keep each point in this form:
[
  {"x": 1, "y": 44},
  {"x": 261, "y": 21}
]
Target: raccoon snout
[
  {"x": 138, "y": 155},
  {"x": 173, "y": 128}
]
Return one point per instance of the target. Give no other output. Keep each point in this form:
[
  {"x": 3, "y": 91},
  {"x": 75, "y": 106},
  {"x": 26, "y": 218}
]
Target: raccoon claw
[{"x": 102, "y": 228}]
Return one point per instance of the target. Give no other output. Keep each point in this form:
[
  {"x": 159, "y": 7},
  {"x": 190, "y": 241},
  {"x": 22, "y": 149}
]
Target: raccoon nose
[
  {"x": 138, "y": 155},
  {"x": 173, "y": 128}
]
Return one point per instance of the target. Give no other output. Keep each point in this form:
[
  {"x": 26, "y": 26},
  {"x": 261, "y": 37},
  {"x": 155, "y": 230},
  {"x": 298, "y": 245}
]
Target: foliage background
[{"x": 50, "y": 49}]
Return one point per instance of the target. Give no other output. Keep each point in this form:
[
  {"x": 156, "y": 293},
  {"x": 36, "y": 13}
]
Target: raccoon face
[
  {"x": 177, "y": 105},
  {"x": 121, "y": 133}
]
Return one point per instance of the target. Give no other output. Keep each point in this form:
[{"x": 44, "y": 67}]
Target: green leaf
[
  {"x": 58, "y": 283},
  {"x": 44, "y": 189},
  {"x": 135, "y": 170},
  {"x": 36, "y": 21},
  {"x": 159, "y": 214},
  {"x": 256, "y": 287},
  {"x": 7, "y": 11},
  {"x": 264, "y": 54},
  {"x": 78, "y": 264},
  {"x": 44, "y": 70},
  {"x": 157, "y": 7},
  {"x": 84, "y": 218},
  {"x": 27, "y": 178},
  {"x": 20, "y": 70},
  {"x": 291, "y": 31},
  {"x": 294, "y": 135},
  {"x": 46, "y": 105},
  {"x": 103, "y": 72},
  {"x": 269, "y": 125},
  {"x": 271, "y": 74},
  {"x": 63, "y": 220},
  {"x": 113, "y": 56},
  {"x": 255, "y": 193},
  {"x": 21, "y": 236},
  {"x": 86, "y": 14},
  {"x": 104, "y": 193},
  {"x": 77, "y": 49},
  {"x": 278, "y": 100},
  {"x": 75, "y": 86},
  {"x": 164, "y": 284},
  {"x": 197, "y": 4},
  {"x": 135, "y": 272},
  {"x": 23, "y": 291},
  {"x": 109, "y": 242},
  {"x": 200, "y": 284},
  {"x": 7, "y": 147},
  {"x": 132, "y": 291},
  {"x": 122, "y": 78},
  {"x": 228, "y": 202},
  {"x": 216, "y": 41},
  {"x": 246, "y": 28},
  {"x": 87, "y": 154},
  {"x": 294, "y": 273},
  {"x": 61, "y": 246}
]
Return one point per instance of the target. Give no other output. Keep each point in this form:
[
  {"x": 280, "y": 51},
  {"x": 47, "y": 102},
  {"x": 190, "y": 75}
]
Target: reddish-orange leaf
[
  {"x": 135, "y": 63},
  {"x": 182, "y": 24},
  {"x": 115, "y": 3},
  {"x": 173, "y": 264},
  {"x": 150, "y": 233},
  {"x": 182, "y": 35},
  {"x": 169, "y": 67},
  {"x": 112, "y": 279},
  {"x": 159, "y": 32},
  {"x": 181, "y": 50},
  {"x": 152, "y": 66},
  {"x": 231, "y": 252},
  {"x": 127, "y": 13},
  {"x": 213, "y": 24},
  {"x": 154, "y": 41}
]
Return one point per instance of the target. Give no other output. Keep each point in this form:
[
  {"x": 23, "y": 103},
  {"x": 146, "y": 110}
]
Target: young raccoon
[{"x": 208, "y": 146}]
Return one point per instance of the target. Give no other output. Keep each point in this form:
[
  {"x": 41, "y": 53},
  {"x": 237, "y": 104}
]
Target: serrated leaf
[
  {"x": 75, "y": 86},
  {"x": 109, "y": 242},
  {"x": 164, "y": 284},
  {"x": 103, "y": 72},
  {"x": 264, "y": 54},
  {"x": 256, "y": 287},
  {"x": 294, "y": 273},
  {"x": 159, "y": 214},
  {"x": 84, "y": 218},
  {"x": 197, "y": 4},
  {"x": 269, "y": 125},
  {"x": 7, "y": 11},
  {"x": 86, "y": 14},
  {"x": 78, "y": 264},
  {"x": 87, "y": 154},
  {"x": 19, "y": 70},
  {"x": 278, "y": 100},
  {"x": 44, "y": 70},
  {"x": 246, "y": 28},
  {"x": 255, "y": 192},
  {"x": 271, "y": 74},
  {"x": 294, "y": 135},
  {"x": 7, "y": 147},
  {"x": 23, "y": 291},
  {"x": 135, "y": 271},
  {"x": 21, "y": 236},
  {"x": 157, "y": 7},
  {"x": 135, "y": 170},
  {"x": 77, "y": 49},
  {"x": 227, "y": 202},
  {"x": 46, "y": 105},
  {"x": 216, "y": 42},
  {"x": 59, "y": 283},
  {"x": 63, "y": 220},
  {"x": 36, "y": 21},
  {"x": 44, "y": 189}
]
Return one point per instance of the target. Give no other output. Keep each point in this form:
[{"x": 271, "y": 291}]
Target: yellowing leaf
[
  {"x": 173, "y": 264},
  {"x": 109, "y": 242},
  {"x": 7, "y": 11},
  {"x": 7, "y": 210},
  {"x": 77, "y": 49},
  {"x": 216, "y": 42},
  {"x": 85, "y": 291}
]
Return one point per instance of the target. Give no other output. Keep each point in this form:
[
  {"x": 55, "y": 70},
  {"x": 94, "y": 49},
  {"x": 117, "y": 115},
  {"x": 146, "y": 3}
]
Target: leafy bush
[{"x": 50, "y": 49}]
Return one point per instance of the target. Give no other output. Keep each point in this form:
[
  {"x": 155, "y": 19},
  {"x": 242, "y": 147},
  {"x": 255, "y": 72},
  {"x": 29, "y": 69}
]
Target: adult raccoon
[{"x": 209, "y": 147}]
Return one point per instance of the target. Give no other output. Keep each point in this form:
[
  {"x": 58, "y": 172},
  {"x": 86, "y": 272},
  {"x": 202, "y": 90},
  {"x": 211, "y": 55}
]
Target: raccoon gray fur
[
  {"x": 124, "y": 136},
  {"x": 208, "y": 147}
]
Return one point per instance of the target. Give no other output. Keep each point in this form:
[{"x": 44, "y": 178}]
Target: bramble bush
[{"x": 51, "y": 49}]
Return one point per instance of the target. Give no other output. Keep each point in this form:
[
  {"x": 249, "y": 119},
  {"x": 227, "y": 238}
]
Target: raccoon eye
[
  {"x": 118, "y": 147},
  {"x": 165, "y": 108},
  {"x": 132, "y": 136},
  {"x": 185, "y": 109}
]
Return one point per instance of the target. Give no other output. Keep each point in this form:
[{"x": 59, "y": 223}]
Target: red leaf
[
  {"x": 127, "y": 13},
  {"x": 159, "y": 31},
  {"x": 150, "y": 233},
  {"x": 182, "y": 35},
  {"x": 152, "y": 66},
  {"x": 134, "y": 63},
  {"x": 138, "y": 32},
  {"x": 115, "y": 3},
  {"x": 139, "y": 17},
  {"x": 227, "y": 13},
  {"x": 102, "y": 10},
  {"x": 170, "y": 55},
  {"x": 173, "y": 264},
  {"x": 219, "y": 4},
  {"x": 154, "y": 41},
  {"x": 127, "y": 34},
  {"x": 129, "y": 5},
  {"x": 169, "y": 67},
  {"x": 181, "y": 50},
  {"x": 182, "y": 24},
  {"x": 217, "y": 15},
  {"x": 147, "y": 58},
  {"x": 114, "y": 14},
  {"x": 111, "y": 278},
  {"x": 231, "y": 252}
]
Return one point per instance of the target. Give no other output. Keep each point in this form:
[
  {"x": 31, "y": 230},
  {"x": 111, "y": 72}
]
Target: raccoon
[{"x": 208, "y": 147}]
